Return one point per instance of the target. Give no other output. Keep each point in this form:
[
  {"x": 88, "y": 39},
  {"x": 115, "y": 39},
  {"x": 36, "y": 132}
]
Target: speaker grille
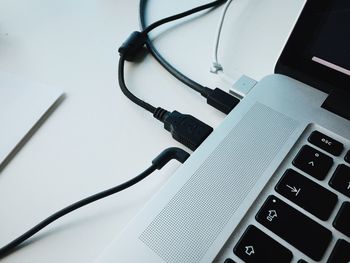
[{"x": 187, "y": 226}]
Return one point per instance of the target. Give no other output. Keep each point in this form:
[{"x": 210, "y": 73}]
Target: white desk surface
[{"x": 97, "y": 138}]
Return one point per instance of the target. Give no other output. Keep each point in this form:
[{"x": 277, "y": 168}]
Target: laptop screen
[{"x": 318, "y": 50}]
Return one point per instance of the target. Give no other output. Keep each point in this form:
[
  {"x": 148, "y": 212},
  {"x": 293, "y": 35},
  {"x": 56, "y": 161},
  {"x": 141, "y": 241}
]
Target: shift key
[{"x": 294, "y": 227}]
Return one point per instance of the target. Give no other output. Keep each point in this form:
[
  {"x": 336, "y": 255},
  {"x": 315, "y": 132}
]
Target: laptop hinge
[{"x": 338, "y": 103}]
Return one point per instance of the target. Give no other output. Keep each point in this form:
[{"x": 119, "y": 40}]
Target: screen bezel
[{"x": 294, "y": 65}]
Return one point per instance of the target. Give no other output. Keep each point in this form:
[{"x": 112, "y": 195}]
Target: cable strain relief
[
  {"x": 169, "y": 154},
  {"x": 160, "y": 114},
  {"x": 216, "y": 67},
  {"x": 206, "y": 92}
]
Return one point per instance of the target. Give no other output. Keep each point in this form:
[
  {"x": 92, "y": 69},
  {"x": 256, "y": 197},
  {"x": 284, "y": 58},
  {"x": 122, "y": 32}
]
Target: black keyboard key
[
  {"x": 347, "y": 157},
  {"x": 256, "y": 246},
  {"x": 297, "y": 229},
  {"x": 301, "y": 261},
  {"x": 340, "y": 180},
  {"x": 340, "y": 253},
  {"x": 307, "y": 194},
  {"x": 313, "y": 162},
  {"x": 342, "y": 220},
  {"x": 229, "y": 260},
  {"x": 326, "y": 143}
]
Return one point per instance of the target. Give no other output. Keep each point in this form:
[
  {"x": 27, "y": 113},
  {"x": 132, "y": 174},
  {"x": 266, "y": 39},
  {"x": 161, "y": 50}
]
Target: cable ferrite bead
[{"x": 133, "y": 46}]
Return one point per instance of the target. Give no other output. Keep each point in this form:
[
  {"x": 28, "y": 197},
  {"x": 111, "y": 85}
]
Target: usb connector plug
[{"x": 184, "y": 128}]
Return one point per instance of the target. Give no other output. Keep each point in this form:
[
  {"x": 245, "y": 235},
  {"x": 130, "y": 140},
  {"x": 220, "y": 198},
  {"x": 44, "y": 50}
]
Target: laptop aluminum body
[{"x": 202, "y": 212}]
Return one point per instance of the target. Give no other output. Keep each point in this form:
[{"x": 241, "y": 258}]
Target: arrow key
[
  {"x": 340, "y": 253},
  {"x": 347, "y": 157},
  {"x": 342, "y": 219},
  {"x": 256, "y": 246},
  {"x": 340, "y": 180},
  {"x": 313, "y": 162},
  {"x": 307, "y": 194}
]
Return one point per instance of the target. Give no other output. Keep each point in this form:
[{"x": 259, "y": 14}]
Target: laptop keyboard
[{"x": 316, "y": 181}]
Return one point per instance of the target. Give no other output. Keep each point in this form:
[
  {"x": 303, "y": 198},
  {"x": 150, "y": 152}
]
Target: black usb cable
[
  {"x": 158, "y": 163},
  {"x": 216, "y": 98},
  {"x": 184, "y": 128}
]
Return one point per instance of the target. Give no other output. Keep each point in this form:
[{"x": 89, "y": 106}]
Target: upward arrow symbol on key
[{"x": 311, "y": 163}]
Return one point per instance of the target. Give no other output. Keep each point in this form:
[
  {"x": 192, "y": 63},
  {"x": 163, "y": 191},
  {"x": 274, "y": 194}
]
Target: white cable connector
[
  {"x": 241, "y": 87},
  {"x": 240, "y": 84}
]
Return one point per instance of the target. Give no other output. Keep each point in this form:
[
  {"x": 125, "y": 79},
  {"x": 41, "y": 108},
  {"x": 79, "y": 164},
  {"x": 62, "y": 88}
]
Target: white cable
[
  {"x": 216, "y": 66},
  {"x": 240, "y": 84}
]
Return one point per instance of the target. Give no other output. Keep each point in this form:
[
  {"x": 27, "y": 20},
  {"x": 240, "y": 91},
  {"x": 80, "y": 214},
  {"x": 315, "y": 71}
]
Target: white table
[{"x": 97, "y": 138}]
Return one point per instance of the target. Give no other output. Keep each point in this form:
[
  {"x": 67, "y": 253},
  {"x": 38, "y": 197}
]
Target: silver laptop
[
  {"x": 23, "y": 107},
  {"x": 272, "y": 183}
]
